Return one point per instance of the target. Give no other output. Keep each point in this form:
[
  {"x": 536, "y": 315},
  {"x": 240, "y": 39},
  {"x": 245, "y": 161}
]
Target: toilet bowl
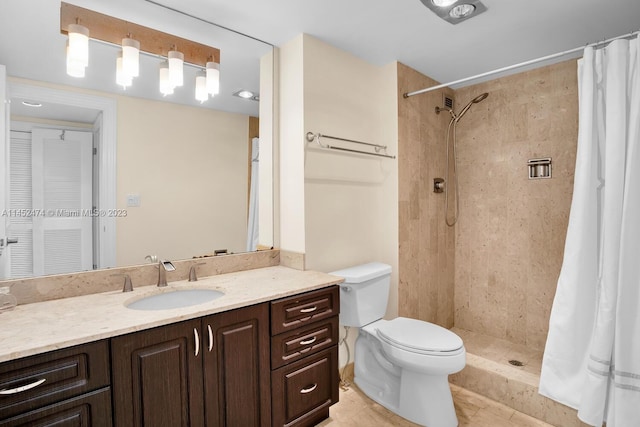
[{"x": 403, "y": 364}]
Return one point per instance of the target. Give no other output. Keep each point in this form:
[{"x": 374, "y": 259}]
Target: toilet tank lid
[{"x": 363, "y": 272}]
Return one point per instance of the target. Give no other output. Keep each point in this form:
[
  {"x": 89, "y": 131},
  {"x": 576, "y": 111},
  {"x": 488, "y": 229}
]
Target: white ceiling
[
  {"x": 381, "y": 31},
  {"x": 378, "y": 31}
]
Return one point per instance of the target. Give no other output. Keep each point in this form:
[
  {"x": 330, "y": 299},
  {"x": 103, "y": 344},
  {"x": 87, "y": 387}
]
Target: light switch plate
[{"x": 133, "y": 200}]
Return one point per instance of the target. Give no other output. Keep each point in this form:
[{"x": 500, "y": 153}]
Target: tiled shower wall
[
  {"x": 425, "y": 289},
  {"x": 509, "y": 239}
]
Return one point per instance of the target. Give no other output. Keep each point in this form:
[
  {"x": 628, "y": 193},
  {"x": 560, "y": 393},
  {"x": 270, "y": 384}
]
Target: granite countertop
[{"x": 44, "y": 326}]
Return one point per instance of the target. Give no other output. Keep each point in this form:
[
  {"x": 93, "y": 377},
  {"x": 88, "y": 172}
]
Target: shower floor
[
  {"x": 489, "y": 373},
  {"x": 501, "y": 351}
]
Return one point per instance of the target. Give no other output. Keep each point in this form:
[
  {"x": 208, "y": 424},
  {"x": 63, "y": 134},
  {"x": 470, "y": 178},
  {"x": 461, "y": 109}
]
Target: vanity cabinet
[
  {"x": 212, "y": 371},
  {"x": 68, "y": 387},
  {"x": 304, "y": 357}
]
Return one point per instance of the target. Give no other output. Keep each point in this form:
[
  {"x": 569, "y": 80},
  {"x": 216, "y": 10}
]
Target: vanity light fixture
[
  {"x": 455, "y": 11},
  {"x": 213, "y": 78},
  {"x": 166, "y": 88},
  {"x": 131, "y": 57},
  {"x": 122, "y": 77},
  {"x": 75, "y": 68},
  {"x": 77, "y": 50},
  {"x": 176, "y": 67},
  {"x": 148, "y": 41},
  {"x": 202, "y": 94}
]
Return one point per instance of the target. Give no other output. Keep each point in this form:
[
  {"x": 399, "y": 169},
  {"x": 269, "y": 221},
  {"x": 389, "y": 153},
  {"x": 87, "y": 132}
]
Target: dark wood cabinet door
[
  {"x": 157, "y": 377},
  {"x": 304, "y": 390},
  {"x": 237, "y": 368}
]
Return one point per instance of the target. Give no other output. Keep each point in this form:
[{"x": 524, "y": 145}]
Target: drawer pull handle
[
  {"x": 309, "y": 341},
  {"x": 210, "y": 337},
  {"x": 197, "y": 338},
  {"x": 309, "y": 389},
  {"x": 22, "y": 388},
  {"x": 308, "y": 310}
]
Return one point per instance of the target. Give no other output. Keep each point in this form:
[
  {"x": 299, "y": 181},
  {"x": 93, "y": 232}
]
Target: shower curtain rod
[{"x": 522, "y": 64}]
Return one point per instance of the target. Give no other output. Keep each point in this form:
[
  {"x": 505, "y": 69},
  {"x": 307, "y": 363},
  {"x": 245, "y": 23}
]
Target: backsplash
[{"x": 48, "y": 288}]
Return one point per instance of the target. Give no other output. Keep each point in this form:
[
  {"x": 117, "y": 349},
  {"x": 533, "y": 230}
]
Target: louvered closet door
[{"x": 61, "y": 189}]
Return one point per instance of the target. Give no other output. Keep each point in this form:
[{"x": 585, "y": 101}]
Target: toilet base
[
  {"x": 421, "y": 398},
  {"x": 427, "y": 400}
]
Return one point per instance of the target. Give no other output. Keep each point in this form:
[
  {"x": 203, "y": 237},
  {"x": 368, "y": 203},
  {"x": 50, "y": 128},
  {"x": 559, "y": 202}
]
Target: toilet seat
[{"x": 417, "y": 336}]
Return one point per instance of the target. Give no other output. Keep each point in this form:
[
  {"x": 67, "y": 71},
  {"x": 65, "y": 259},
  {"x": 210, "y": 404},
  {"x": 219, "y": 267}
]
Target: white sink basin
[{"x": 175, "y": 299}]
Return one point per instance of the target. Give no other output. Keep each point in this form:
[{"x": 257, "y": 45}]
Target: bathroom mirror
[{"x": 180, "y": 178}]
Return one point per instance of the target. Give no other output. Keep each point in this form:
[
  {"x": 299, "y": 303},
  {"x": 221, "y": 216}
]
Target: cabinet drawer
[
  {"x": 300, "y": 310},
  {"x": 305, "y": 389},
  {"x": 32, "y": 382},
  {"x": 302, "y": 342},
  {"x": 89, "y": 410}
]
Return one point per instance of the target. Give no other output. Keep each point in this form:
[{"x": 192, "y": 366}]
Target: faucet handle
[
  {"x": 128, "y": 286},
  {"x": 192, "y": 272}
]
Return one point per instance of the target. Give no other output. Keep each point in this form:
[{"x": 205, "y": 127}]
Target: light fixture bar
[{"x": 110, "y": 29}]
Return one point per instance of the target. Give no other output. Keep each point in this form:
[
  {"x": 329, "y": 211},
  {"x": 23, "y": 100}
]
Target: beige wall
[
  {"x": 189, "y": 166},
  {"x": 350, "y": 200},
  {"x": 511, "y": 231},
  {"x": 291, "y": 146},
  {"x": 426, "y": 243}
]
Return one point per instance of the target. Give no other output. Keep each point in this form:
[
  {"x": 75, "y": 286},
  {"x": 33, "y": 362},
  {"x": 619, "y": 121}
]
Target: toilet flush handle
[{"x": 345, "y": 288}]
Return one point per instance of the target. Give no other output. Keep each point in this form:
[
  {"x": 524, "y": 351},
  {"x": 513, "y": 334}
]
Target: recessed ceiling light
[
  {"x": 32, "y": 104},
  {"x": 462, "y": 11},
  {"x": 247, "y": 94},
  {"x": 443, "y": 3},
  {"x": 455, "y": 12}
]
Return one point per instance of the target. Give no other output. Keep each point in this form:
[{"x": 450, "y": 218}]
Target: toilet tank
[{"x": 364, "y": 293}]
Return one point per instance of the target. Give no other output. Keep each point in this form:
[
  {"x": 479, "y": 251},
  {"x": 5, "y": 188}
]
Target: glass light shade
[
  {"x": 122, "y": 78},
  {"x": 462, "y": 11},
  {"x": 131, "y": 57},
  {"x": 75, "y": 68},
  {"x": 213, "y": 78},
  {"x": 78, "y": 50},
  {"x": 201, "y": 87},
  {"x": 176, "y": 72},
  {"x": 166, "y": 88},
  {"x": 443, "y": 3}
]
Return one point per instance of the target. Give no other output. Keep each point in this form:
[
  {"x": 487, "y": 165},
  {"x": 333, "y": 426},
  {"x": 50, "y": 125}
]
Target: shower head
[{"x": 475, "y": 100}]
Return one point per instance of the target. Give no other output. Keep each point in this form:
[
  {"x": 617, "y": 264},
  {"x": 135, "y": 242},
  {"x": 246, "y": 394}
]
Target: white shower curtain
[
  {"x": 592, "y": 357},
  {"x": 252, "y": 222}
]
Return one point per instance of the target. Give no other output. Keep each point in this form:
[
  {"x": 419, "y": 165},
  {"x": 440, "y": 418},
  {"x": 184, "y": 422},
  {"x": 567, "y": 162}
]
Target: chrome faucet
[
  {"x": 128, "y": 286},
  {"x": 163, "y": 267},
  {"x": 192, "y": 272}
]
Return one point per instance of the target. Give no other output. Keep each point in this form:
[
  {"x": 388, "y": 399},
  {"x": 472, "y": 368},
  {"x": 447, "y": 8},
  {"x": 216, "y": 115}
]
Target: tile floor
[{"x": 357, "y": 410}]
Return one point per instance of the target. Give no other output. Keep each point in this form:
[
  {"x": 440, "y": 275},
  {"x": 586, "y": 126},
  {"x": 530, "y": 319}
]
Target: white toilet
[{"x": 403, "y": 364}]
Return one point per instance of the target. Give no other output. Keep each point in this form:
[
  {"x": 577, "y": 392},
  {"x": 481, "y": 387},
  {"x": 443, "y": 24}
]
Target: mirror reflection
[{"x": 99, "y": 177}]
